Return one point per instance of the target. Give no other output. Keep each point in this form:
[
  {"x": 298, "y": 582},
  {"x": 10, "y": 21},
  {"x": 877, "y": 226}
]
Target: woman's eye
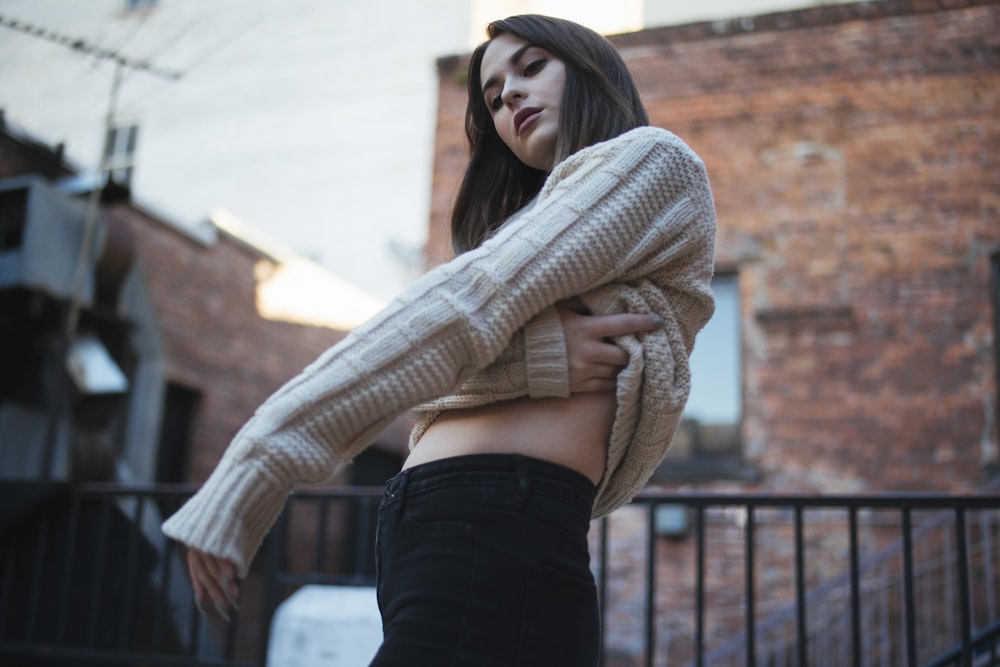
[
  {"x": 496, "y": 103},
  {"x": 534, "y": 67}
]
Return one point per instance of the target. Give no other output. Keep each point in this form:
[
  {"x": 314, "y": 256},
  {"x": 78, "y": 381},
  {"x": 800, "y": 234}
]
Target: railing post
[
  {"x": 603, "y": 579},
  {"x": 67, "y": 573},
  {"x": 908, "y": 582},
  {"x": 319, "y": 561},
  {"x": 95, "y": 593},
  {"x": 363, "y": 548},
  {"x": 751, "y": 659},
  {"x": 986, "y": 535},
  {"x": 963, "y": 586},
  {"x": 36, "y": 580},
  {"x": 855, "y": 586},
  {"x": 274, "y": 566},
  {"x": 159, "y": 612},
  {"x": 800, "y": 589},
  {"x": 699, "y": 632},
  {"x": 130, "y": 573},
  {"x": 651, "y": 585}
]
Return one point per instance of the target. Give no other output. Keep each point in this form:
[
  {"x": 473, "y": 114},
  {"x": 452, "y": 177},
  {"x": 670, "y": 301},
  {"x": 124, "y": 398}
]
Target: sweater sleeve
[
  {"x": 546, "y": 361},
  {"x": 534, "y": 364},
  {"x": 603, "y": 214}
]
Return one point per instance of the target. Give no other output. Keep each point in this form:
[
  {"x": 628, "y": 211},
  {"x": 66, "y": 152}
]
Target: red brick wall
[
  {"x": 854, "y": 153},
  {"x": 215, "y": 341}
]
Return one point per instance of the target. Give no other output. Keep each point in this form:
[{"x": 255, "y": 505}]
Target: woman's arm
[
  {"x": 592, "y": 361},
  {"x": 611, "y": 212}
]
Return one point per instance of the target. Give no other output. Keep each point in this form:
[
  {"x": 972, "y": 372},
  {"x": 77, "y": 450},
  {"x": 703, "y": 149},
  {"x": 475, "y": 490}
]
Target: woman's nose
[{"x": 512, "y": 93}]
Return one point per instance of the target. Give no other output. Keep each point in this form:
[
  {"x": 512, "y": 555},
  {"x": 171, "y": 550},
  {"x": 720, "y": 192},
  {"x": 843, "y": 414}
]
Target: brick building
[
  {"x": 223, "y": 328},
  {"x": 854, "y": 152},
  {"x": 223, "y": 355}
]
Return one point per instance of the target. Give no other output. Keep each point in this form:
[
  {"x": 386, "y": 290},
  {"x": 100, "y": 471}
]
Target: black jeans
[{"x": 483, "y": 561}]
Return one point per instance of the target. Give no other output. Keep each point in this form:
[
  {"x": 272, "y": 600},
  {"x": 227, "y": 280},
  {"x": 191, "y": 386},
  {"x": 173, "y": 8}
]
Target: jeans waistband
[{"x": 512, "y": 471}]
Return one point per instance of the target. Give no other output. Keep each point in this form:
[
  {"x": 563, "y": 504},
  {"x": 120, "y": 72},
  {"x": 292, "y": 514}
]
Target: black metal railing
[
  {"x": 896, "y": 580},
  {"x": 86, "y": 578}
]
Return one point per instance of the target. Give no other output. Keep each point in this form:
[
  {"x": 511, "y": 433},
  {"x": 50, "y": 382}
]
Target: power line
[
  {"x": 82, "y": 46},
  {"x": 121, "y": 63}
]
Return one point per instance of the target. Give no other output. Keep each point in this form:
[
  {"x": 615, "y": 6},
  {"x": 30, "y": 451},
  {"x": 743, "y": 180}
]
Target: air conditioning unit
[{"x": 41, "y": 233}]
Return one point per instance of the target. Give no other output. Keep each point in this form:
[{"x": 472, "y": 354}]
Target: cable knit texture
[{"x": 628, "y": 225}]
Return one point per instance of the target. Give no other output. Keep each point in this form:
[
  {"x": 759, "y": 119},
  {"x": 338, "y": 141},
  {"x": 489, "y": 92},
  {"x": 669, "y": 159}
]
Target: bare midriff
[{"x": 573, "y": 432}]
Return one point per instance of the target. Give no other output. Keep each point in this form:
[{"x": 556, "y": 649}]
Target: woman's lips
[{"x": 525, "y": 116}]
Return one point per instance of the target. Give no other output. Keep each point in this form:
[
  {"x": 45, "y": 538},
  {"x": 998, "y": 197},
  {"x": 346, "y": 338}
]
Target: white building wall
[{"x": 312, "y": 121}]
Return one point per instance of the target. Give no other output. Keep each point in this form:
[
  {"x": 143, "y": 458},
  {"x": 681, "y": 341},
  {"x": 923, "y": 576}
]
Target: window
[
  {"x": 133, "y": 5},
  {"x": 707, "y": 443},
  {"x": 715, "y": 366},
  {"x": 13, "y": 207},
  {"x": 180, "y": 409},
  {"x": 119, "y": 150}
]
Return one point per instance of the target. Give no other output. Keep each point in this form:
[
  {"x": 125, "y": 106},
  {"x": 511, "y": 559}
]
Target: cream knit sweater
[{"x": 628, "y": 225}]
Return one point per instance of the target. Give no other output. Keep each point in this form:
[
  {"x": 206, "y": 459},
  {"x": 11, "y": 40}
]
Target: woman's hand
[
  {"x": 594, "y": 361},
  {"x": 214, "y": 580}
]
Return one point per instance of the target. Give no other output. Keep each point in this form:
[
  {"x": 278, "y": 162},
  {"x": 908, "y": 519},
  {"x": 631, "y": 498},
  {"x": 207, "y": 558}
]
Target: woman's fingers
[
  {"x": 596, "y": 384},
  {"x": 623, "y": 324},
  {"x": 599, "y": 353},
  {"x": 594, "y": 361},
  {"x": 214, "y": 582},
  {"x": 208, "y": 593},
  {"x": 194, "y": 569}
]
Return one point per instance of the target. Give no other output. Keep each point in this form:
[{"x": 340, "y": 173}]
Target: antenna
[
  {"x": 121, "y": 63},
  {"x": 82, "y": 46}
]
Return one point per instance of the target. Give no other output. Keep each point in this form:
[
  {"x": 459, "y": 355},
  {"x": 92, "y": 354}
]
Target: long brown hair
[{"x": 600, "y": 102}]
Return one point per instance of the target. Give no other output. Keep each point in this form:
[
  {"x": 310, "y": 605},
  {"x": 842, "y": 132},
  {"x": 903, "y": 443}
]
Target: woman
[{"x": 570, "y": 205}]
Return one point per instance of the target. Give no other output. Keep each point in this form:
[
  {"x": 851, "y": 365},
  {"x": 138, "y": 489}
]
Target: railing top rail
[
  {"x": 111, "y": 488},
  {"x": 865, "y": 500},
  {"x": 913, "y": 500}
]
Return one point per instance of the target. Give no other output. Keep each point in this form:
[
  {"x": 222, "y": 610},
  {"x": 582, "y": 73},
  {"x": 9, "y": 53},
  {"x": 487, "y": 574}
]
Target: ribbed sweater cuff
[
  {"x": 230, "y": 515},
  {"x": 546, "y": 356}
]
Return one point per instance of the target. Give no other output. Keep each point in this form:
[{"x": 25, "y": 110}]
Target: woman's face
[{"x": 523, "y": 88}]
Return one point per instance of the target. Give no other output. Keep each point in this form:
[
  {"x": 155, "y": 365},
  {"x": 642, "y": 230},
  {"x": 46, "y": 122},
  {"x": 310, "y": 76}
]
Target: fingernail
[
  {"x": 231, "y": 599},
  {"x": 221, "y": 609},
  {"x": 659, "y": 322},
  {"x": 226, "y": 586}
]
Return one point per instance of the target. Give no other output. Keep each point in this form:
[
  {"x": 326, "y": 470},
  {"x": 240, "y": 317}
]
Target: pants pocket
[{"x": 450, "y": 510}]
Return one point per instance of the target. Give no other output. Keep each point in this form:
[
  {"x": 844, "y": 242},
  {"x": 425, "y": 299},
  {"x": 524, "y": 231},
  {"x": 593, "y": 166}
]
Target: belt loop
[{"x": 402, "y": 482}]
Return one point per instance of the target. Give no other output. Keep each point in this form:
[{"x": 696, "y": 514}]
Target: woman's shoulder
[
  {"x": 648, "y": 134},
  {"x": 638, "y": 143},
  {"x": 647, "y": 153}
]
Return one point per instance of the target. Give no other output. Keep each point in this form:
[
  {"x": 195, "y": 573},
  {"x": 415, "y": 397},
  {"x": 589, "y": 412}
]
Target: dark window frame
[
  {"x": 700, "y": 461},
  {"x": 119, "y": 152},
  {"x": 993, "y": 467},
  {"x": 138, "y": 5}
]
